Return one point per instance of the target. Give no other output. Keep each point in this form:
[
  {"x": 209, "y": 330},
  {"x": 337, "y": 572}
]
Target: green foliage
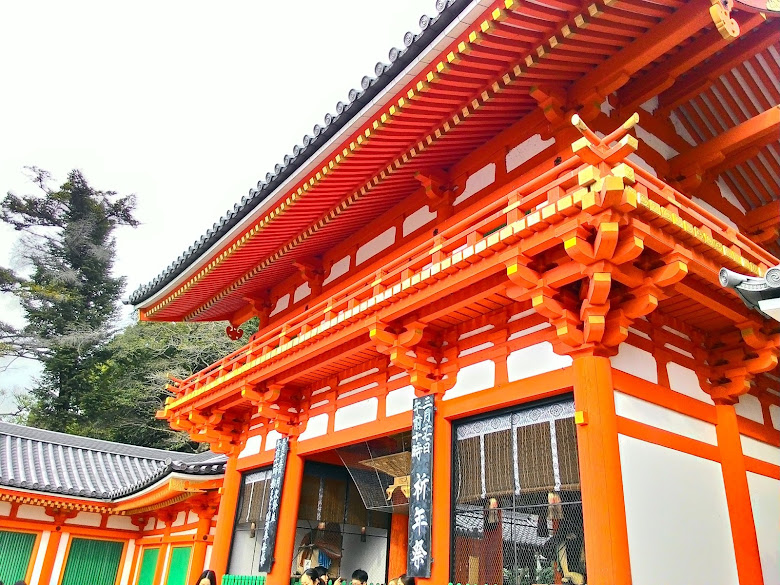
[
  {"x": 95, "y": 382},
  {"x": 70, "y": 297},
  {"x": 127, "y": 387}
]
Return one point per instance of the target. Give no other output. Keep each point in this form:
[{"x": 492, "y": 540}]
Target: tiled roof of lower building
[{"x": 69, "y": 465}]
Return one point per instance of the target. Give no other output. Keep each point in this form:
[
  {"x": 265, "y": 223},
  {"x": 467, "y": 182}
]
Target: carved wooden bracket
[
  {"x": 730, "y": 368},
  {"x": 423, "y": 362}
]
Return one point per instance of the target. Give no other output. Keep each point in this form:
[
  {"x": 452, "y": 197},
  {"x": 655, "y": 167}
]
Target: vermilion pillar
[
  {"x": 399, "y": 545},
  {"x": 288, "y": 518},
  {"x": 201, "y": 543},
  {"x": 603, "y": 504},
  {"x": 743, "y": 528},
  {"x": 49, "y": 555},
  {"x": 231, "y": 486}
]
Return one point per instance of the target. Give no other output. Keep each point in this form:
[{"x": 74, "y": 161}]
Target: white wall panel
[
  {"x": 356, "y": 414},
  {"x": 316, "y": 427},
  {"x": 374, "y": 246},
  {"x": 399, "y": 401},
  {"x": 678, "y": 526},
  {"x": 637, "y": 362},
  {"x": 760, "y": 450},
  {"x": 765, "y": 500},
  {"x": 533, "y": 360},
  {"x": 685, "y": 381},
  {"x": 750, "y": 407},
  {"x": 418, "y": 219},
  {"x": 253, "y": 446},
  {"x": 476, "y": 182},
  {"x": 663, "y": 418},
  {"x": 473, "y": 378}
]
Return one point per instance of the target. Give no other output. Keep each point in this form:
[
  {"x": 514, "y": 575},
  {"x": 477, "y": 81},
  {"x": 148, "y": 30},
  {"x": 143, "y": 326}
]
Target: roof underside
[{"x": 379, "y": 172}]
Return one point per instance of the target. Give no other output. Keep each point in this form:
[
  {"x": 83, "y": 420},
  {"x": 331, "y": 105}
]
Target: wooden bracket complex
[
  {"x": 423, "y": 362},
  {"x": 731, "y": 366}
]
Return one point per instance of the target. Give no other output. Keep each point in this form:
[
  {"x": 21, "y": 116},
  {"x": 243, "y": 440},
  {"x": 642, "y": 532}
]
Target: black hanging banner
[
  {"x": 418, "y": 560},
  {"x": 272, "y": 516}
]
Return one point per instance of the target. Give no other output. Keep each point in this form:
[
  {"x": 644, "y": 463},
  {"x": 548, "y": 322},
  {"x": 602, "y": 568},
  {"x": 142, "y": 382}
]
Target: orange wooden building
[
  {"x": 80, "y": 511},
  {"x": 523, "y": 214}
]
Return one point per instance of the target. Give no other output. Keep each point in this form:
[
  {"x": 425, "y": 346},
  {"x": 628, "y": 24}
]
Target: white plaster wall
[
  {"x": 765, "y": 501},
  {"x": 417, "y": 219},
  {"x": 526, "y": 150},
  {"x": 121, "y": 522},
  {"x": 281, "y": 304},
  {"x": 59, "y": 559},
  {"x": 181, "y": 518},
  {"x": 374, "y": 246},
  {"x": 663, "y": 418},
  {"x": 253, "y": 446},
  {"x": 128, "y": 563},
  {"x": 371, "y": 556},
  {"x": 642, "y": 163},
  {"x": 637, "y": 362},
  {"x": 399, "y": 401},
  {"x": 685, "y": 381},
  {"x": 40, "y": 556},
  {"x": 533, "y": 360},
  {"x": 774, "y": 414},
  {"x": 750, "y": 407},
  {"x": 356, "y": 414},
  {"x": 85, "y": 519},
  {"x": 476, "y": 182},
  {"x": 5, "y": 508},
  {"x": 473, "y": 378},
  {"x": 316, "y": 427},
  {"x": 338, "y": 269},
  {"x": 270, "y": 440},
  {"x": 27, "y": 512},
  {"x": 301, "y": 292},
  {"x": 760, "y": 450},
  {"x": 192, "y": 517},
  {"x": 207, "y": 558},
  {"x": 677, "y": 517}
]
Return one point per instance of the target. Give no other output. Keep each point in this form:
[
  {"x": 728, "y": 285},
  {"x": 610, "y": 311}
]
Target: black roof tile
[{"x": 58, "y": 463}]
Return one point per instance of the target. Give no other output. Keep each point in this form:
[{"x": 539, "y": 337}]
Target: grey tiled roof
[
  {"x": 370, "y": 86},
  {"x": 753, "y": 289},
  {"x": 45, "y": 461}
]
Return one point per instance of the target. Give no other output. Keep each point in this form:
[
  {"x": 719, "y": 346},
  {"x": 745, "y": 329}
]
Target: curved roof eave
[{"x": 258, "y": 198}]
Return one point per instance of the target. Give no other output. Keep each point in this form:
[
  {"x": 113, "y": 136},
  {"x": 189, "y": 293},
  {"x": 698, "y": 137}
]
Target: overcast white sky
[{"x": 185, "y": 104}]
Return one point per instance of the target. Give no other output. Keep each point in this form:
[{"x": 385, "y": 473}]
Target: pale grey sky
[{"x": 185, "y": 104}]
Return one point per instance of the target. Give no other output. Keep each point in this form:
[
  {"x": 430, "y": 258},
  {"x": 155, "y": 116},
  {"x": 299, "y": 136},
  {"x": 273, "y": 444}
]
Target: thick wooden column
[
  {"x": 442, "y": 500},
  {"x": 49, "y": 555},
  {"x": 603, "y": 504},
  {"x": 205, "y": 514},
  {"x": 231, "y": 487},
  {"x": 399, "y": 545},
  {"x": 288, "y": 518},
  {"x": 743, "y": 527}
]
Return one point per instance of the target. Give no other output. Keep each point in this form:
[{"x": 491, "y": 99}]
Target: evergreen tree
[
  {"x": 128, "y": 385},
  {"x": 70, "y": 299}
]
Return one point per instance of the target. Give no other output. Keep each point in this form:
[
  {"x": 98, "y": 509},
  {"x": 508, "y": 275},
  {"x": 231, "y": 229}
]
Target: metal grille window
[
  {"x": 250, "y": 522},
  {"x": 516, "y": 492}
]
